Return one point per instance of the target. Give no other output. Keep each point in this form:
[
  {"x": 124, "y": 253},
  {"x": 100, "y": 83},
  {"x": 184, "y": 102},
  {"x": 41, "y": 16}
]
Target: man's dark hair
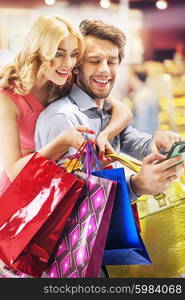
[{"x": 100, "y": 30}]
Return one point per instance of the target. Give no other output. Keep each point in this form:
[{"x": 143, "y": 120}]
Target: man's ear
[{"x": 76, "y": 70}]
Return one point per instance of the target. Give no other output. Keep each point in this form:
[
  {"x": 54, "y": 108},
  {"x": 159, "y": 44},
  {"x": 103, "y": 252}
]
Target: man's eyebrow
[
  {"x": 61, "y": 49},
  {"x": 99, "y": 56}
]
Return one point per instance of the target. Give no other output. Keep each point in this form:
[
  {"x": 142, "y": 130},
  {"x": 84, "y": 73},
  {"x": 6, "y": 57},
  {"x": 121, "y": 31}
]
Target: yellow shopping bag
[{"x": 162, "y": 220}]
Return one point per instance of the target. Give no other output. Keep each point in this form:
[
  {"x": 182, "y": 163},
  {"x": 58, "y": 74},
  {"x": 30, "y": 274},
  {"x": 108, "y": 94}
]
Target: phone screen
[{"x": 176, "y": 150}]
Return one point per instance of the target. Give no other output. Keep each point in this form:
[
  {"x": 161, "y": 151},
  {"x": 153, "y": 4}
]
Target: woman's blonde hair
[{"x": 40, "y": 48}]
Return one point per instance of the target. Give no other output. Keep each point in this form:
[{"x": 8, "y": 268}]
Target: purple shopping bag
[{"x": 80, "y": 250}]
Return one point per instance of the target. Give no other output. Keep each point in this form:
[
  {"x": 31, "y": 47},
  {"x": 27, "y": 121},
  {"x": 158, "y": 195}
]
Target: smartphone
[{"x": 176, "y": 150}]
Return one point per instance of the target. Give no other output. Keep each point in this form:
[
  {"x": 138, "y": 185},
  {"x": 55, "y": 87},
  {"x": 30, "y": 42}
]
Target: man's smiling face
[{"x": 97, "y": 72}]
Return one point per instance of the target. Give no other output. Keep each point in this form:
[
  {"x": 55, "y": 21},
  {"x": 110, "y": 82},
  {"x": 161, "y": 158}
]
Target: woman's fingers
[
  {"x": 109, "y": 149},
  {"x": 164, "y": 139},
  {"x": 81, "y": 128}
]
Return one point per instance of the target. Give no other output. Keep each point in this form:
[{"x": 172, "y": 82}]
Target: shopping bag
[
  {"x": 34, "y": 210},
  {"x": 174, "y": 192},
  {"x": 124, "y": 245},
  {"x": 167, "y": 245},
  {"x": 80, "y": 250},
  {"x": 133, "y": 165},
  {"x": 163, "y": 234},
  {"x": 81, "y": 247}
]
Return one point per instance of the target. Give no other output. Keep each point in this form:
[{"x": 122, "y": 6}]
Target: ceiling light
[
  {"x": 105, "y": 3},
  {"x": 49, "y": 2},
  {"x": 161, "y": 4}
]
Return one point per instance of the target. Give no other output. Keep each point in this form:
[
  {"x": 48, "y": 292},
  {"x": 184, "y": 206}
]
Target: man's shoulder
[{"x": 60, "y": 106}]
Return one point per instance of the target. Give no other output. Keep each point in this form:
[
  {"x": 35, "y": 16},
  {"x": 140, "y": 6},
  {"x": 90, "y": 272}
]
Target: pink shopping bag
[{"x": 80, "y": 250}]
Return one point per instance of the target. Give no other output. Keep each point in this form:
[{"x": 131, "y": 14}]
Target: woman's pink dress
[{"x": 29, "y": 108}]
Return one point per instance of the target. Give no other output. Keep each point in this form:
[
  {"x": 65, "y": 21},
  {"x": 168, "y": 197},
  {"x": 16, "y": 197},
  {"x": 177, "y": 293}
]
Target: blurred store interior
[
  {"x": 151, "y": 78},
  {"x": 151, "y": 81}
]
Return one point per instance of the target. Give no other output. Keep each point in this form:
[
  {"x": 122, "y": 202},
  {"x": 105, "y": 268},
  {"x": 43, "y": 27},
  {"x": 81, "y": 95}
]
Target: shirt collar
[{"x": 83, "y": 100}]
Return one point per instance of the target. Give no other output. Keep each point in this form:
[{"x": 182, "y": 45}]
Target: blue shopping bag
[{"x": 124, "y": 245}]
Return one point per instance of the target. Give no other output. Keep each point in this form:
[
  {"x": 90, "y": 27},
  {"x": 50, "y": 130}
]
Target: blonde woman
[{"x": 39, "y": 75}]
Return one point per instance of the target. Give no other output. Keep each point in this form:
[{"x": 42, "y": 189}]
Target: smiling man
[
  {"x": 98, "y": 52},
  {"x": 87, "y": 105}
]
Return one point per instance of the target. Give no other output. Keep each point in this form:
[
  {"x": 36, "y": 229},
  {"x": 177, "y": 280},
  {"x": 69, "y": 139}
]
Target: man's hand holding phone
[
  {"x": 158, "y": 171},
  {"x": 177, "y": 149}
]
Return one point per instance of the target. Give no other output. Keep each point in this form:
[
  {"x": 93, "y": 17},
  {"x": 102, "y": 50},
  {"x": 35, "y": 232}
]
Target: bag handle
[
  {"x": 135, "y": 166},
  {"x": 78, "y": 155},
  {"x": 89, "y": 154},
  {"x": 128, "y": 162}
]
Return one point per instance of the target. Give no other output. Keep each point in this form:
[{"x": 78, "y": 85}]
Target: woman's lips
[{"x": 62, "y": 73}]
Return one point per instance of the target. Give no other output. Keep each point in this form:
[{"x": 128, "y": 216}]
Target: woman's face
[{"x": 64, "y": 61}]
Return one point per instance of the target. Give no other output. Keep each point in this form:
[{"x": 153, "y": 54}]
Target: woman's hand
[
  {"x": 73, "y": 137},
  {"x": 104, "y": 148},
  {"x": 69, "y": 138},
  {"x": 164, "y": 139},
  {"x": 103, "y": 145}
]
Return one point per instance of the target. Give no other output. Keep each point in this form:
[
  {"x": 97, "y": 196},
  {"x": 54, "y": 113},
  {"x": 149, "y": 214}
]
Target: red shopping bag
[
  {"x": 34, "y": 210},
  {"x": 80, "y": 249}
]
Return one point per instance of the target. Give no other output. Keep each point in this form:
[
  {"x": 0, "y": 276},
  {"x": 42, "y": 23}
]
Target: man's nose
[{"x": 104, "y": 68}]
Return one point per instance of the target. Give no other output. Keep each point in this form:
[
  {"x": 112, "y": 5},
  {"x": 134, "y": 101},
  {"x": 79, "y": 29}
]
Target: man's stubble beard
[{"x": 85, "y": 88}]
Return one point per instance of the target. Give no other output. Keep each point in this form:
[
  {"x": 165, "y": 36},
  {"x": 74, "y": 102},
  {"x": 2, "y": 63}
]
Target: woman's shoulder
[
  {"x": 9, "y": 99},
  {"x": 8, "y": 93}
]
